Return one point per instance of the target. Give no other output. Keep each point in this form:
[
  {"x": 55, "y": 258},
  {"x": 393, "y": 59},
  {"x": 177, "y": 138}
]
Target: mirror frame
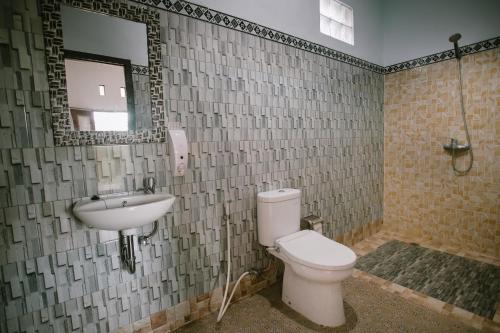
[{"x": 56, "y": 73}]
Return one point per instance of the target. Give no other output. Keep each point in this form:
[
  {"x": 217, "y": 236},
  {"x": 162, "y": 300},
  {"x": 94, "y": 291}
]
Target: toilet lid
[{"x": 314, "y": 250}]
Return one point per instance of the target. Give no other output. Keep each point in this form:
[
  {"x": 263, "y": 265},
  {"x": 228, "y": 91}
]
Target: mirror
[
  {"x": 104, "y": 72},
  {"x": 98, "y": 60}
]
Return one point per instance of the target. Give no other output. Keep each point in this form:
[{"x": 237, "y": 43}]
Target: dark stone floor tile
[{"x": 466, "y": 283}]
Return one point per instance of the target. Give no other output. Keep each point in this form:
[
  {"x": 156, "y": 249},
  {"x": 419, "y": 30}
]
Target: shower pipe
[{"x": 453, "y": 146}]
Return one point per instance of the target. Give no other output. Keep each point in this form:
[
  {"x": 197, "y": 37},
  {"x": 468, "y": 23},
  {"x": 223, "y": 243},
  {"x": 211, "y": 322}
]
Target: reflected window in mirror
[{"x": 100, "y": 92}]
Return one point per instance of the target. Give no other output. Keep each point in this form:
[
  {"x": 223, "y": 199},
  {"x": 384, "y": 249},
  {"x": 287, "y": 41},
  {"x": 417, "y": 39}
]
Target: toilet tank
[{"x": 278, "y": 214}]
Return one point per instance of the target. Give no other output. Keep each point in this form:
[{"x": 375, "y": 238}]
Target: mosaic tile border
[
  {"x": 484, "y": 45},
  {"x": 232, "y": 22},
  {"x": 56, "y": 74},
  {"x": 140, "y": 70}
]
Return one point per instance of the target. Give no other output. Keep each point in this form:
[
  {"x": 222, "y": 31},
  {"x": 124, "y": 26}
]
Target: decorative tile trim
[
  {"x": 141, "y": 70},
  {"x": 445, "y": 55},
  {"x": 56, "y": 74},
  {"x": 232, "y": 22}
]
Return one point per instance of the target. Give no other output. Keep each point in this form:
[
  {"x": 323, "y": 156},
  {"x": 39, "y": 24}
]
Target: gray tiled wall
[
  {"x": 259, "y": 115},
  {"x": 142, "y": 101}
]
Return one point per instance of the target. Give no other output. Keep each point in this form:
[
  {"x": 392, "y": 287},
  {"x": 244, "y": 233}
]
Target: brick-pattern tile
[
  {"x": 422, "y": 195},
  {"x": 259, "y": 115}
]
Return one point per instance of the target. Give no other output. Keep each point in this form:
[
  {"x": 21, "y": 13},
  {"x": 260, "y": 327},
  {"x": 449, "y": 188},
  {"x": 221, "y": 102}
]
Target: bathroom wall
[
  {"x": 259, "y": 115},
  {"x": 414, "y": 29},
  {"x": 422, "y": 195},
  {"x": 386, "y": 32},
  {"x": 301, "y": 18}
]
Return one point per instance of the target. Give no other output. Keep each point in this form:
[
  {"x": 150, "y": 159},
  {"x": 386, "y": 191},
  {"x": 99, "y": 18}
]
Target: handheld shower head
[{"x": 454, "y": 39}]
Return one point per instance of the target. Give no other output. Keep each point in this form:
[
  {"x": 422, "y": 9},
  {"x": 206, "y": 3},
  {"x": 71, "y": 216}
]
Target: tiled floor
[
  {"x": 463, "y": 282},
  {"x": 368, "y": 309},
  {"x": 372, "y": 304},
  {"x": 371, "y": 243}
]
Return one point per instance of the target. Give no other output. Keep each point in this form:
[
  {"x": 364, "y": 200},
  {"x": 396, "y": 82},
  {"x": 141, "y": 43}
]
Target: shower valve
[{"x": 455, "y": 148}]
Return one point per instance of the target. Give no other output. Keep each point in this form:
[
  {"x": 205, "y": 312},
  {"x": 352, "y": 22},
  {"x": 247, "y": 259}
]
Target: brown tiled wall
[{"x": 422, "y": 195}]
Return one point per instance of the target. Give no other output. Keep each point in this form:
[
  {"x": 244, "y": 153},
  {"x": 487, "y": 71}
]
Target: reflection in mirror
[
  {"x": 97, "y": 93},
  {"x": 107, "y": 81}
]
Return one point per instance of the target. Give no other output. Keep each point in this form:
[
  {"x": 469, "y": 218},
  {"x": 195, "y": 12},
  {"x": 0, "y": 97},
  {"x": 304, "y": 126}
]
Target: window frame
[
  {"x": 331, "y": 18},
  {"x": 127, "y": 71}
]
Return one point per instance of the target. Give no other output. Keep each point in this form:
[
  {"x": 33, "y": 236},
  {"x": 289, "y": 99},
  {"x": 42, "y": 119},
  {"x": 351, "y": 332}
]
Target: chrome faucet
[{"x": 149, "y": 185}]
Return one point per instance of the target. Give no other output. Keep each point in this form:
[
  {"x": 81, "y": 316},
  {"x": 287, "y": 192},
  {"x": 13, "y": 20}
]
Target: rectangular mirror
[
  {"x": 104, "y": 72},
  {"x": 98, "y": 60}
]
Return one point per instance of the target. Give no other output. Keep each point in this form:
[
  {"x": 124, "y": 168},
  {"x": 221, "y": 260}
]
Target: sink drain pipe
[
  {"x": 224, "y": 305},
  {"x": 144, "y": 239},
  {"x": 127, "y": 250}
]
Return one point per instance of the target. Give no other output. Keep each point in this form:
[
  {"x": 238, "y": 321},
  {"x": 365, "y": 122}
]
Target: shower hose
[
  {"x": 471, "y": 155},
  {"x": 225, "y": 301}
]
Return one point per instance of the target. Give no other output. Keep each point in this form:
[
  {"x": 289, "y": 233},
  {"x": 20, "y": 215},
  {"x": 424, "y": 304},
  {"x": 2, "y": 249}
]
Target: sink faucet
[{"x": 149, "y": 185}]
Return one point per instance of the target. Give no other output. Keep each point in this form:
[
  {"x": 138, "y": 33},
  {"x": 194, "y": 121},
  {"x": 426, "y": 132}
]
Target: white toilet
[{"x": 314, "y": 265}]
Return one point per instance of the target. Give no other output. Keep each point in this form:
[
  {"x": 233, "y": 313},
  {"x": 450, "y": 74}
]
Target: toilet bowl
[
  {"x": 314, "y": 265},
  {"x": 314, "y": 269}
]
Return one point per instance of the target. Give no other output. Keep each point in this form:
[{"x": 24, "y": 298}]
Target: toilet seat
[{"x": 312, "y": 249}]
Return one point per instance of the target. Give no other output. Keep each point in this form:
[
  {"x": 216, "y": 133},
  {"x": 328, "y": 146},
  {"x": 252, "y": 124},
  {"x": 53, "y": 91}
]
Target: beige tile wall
[{"x": 422, "y": 195}]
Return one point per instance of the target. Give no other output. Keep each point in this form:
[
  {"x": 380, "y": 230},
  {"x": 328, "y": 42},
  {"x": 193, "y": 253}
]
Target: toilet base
[{"x": 319, "y": 302}]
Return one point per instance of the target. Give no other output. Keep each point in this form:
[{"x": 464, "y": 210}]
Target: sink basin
[{"x": 122, "y": 212}]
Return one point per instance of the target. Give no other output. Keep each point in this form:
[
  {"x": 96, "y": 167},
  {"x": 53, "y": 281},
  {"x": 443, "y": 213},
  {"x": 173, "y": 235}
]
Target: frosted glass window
[
  {"x": 111, "y": 121},
  {"x": 336, "y": 20}
]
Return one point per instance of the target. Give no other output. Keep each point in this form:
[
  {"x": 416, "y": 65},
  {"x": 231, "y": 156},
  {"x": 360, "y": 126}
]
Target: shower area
[
  {"x": 440, "y": 244},
  {"x": 454, "y": 148},
  {"x": 442, "y": 151}
]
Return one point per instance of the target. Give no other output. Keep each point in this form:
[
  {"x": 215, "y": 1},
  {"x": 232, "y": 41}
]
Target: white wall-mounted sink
[{"x": 122, "y": 212}]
